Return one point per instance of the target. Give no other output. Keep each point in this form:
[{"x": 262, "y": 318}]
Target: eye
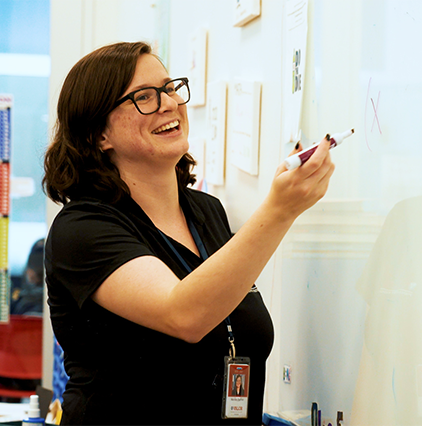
[
  {"x": 170, "y": 90},
  {"x": 144, "y": 96}
]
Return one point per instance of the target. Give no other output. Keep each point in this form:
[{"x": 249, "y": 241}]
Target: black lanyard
[{"x": 204, "y": 255}]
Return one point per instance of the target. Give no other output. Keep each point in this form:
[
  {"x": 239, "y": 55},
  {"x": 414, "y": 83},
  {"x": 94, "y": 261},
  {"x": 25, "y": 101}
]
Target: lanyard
[
  {"x": 198, "y": 243},
  {"x": 204, "y": 255}
]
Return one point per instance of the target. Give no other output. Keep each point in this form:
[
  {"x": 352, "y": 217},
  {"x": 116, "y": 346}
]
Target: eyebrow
[{"x": 146, "y": 86}]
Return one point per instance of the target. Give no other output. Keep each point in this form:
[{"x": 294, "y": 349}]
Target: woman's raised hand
[{"x": 294, "y": 191}]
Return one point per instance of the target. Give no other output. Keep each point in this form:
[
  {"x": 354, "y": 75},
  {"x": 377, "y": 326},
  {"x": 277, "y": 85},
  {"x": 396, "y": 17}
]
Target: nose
[{"x": 167, "y": 102}]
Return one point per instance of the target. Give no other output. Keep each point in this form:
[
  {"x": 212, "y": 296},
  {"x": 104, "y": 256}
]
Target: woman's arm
[{"x": 190, "y": 308}]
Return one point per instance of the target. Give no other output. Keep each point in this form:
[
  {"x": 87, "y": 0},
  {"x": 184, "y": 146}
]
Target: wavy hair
[{"x": 74, "y": 165}]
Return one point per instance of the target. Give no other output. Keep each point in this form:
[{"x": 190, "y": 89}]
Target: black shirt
[{"x": 121, "y": 372}]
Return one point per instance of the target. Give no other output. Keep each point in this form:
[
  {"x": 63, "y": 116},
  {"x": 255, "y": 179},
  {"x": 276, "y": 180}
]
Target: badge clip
[{"x": 232, "y": 350}]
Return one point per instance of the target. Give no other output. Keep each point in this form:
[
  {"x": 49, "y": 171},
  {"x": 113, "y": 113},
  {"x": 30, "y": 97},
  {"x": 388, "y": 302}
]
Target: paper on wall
[{"x": 294, "y": 58}]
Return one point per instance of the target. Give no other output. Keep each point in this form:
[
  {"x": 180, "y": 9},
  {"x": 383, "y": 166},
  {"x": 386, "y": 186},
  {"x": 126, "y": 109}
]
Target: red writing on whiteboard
[{"x": 376, "y": 118}]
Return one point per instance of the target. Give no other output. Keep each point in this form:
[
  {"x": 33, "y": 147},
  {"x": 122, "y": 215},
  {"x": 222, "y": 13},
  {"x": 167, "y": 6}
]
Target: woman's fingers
[
  {"x": 297, "y": 190},
  {"x": 316, "y": 161}
]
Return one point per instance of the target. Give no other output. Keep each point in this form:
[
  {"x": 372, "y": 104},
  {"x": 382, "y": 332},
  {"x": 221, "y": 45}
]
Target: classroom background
[{"x": 345, "y": 287}]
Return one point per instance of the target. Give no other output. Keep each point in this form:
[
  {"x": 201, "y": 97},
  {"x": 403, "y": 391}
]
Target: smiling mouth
[{"x": 167, "y": 128}]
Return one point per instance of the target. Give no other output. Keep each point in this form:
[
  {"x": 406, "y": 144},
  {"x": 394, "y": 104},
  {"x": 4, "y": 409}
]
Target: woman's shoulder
[
  {"x": 87, "y": 217},
  {"x": 89, "y": 208},
  {"x": 86, "y": 204}
]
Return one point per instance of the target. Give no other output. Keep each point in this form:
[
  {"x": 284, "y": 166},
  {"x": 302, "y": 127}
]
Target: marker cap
[
  {"x": 339, "y": 137},
  {"x": 292, "y": 162}
]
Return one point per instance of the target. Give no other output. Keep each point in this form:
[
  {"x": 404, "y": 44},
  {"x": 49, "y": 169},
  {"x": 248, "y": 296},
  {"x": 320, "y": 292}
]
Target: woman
[
  {"x": 238, "y": 388},
  {"x": 142, "y": 271}
]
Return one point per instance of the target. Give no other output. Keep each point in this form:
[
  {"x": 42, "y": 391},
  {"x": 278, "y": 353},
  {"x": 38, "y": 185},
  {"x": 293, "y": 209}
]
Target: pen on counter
[
  {"x": 301, "y": 157},
  {"x": 314, "y": 414}
]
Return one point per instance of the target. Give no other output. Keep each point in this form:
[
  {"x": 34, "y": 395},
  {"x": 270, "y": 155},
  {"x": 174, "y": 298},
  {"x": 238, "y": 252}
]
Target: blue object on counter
[
  {"x": 60, "y": 377},
  {"x": 271, "y": 420}
]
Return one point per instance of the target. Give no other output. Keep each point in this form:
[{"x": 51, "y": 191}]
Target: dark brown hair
[{"x": 74, "y": 164}]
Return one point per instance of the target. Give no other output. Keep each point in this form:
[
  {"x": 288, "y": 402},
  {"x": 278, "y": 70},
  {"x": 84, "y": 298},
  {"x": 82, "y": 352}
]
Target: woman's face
[
  {"x": 132, "y": 138},
  {"x": 238, "y": 381}
]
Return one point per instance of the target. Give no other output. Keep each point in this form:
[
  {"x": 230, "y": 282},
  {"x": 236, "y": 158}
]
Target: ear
[{"x": 104, "y": 141}]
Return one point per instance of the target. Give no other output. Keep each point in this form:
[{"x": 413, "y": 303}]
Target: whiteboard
[{"x": 352, "y": 265}]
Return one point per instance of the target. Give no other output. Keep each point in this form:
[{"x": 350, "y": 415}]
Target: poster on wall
[
  {"x": 197, "y": 67},
  {"x": 244, "y": 120},
  {"x": 245, "y": 11},
  {"x": 295, "y": 30}
]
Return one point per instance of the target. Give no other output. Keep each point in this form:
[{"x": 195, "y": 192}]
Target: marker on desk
[
  {"x": 301, "y": 157},
  {"x": 314, "y": 414}
]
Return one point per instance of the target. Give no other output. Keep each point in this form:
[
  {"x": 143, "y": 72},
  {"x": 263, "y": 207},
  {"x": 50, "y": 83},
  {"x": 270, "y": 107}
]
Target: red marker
[{"x": 301, "y": 157}]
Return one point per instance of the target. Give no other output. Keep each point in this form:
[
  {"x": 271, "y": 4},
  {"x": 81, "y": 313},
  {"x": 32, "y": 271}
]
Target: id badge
[{"x": 236, "y": 388}]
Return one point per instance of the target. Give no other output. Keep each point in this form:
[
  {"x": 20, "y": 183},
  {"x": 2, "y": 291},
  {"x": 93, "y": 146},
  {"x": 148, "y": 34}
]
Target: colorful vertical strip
[
  {"x": 5, "y": 129},
  {"x": 4, "y": 189},
  {"x": 6, "y": 103},
  {"x": 4, "y": 274},
  {"x": 4, "y": 234}
]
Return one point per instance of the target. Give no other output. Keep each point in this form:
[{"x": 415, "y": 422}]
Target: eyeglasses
[{"x": 148, "y": 100}]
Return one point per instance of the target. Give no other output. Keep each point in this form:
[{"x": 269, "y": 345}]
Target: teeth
[{"x": 166, "y": 127}]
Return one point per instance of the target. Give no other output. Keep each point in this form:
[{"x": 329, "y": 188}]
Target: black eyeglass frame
[{"x": 158, "y": 90}]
